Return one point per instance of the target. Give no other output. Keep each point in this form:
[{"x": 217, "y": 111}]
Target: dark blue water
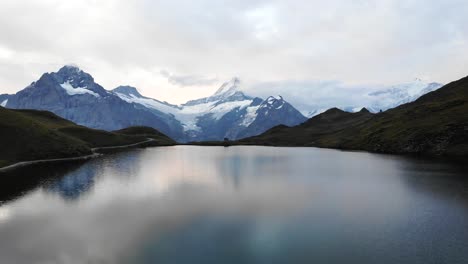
[{"x": 236, "y": 205}]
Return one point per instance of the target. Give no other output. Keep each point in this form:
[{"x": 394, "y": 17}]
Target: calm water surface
[{"x": 236, "y": 205}]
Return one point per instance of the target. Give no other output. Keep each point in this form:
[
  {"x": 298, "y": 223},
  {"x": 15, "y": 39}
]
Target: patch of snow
[
  {"x": 147, "y": 102},
  {"x": 250, "y": 116},
  {"x": 188, "y": 114},
  {"x": 222, "y": 109},
  {"x": 400, "y": 94},
  {"x": 4, "y": 103},
  {"x": 78, "y": 90}
]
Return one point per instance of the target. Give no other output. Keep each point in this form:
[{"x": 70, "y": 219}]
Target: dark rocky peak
[
  {"x": 275, "y": 102},
  {"x": 333, "y": 111},
  {"x": 73, "y": 74},
  {"x": 72, "y": 77},
  {"x": 256, "y": 101},
  {"x": 364, "y": 110},
  {"x": 128, "y": 90},
  {"x": 329, "y": 116}
]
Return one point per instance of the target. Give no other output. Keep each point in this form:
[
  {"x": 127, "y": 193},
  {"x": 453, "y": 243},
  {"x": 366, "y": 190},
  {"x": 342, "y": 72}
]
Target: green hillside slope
[
  {"x": 435, "y": 124},
  {"x": 30, "y": 135}
]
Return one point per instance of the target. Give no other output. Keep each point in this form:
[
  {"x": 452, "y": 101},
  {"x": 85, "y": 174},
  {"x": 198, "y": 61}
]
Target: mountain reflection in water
[{"x": 189, "y": 204}]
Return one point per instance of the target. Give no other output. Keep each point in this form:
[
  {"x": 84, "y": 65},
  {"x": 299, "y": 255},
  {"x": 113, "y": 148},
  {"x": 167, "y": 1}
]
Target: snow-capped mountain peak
[
  {"x": 229, "y": 91},
  {"x": 228, "y": 88},
  {"x": 274, "y": 101},
  {"x": 73, "y": 72},
  {"x": 74, "y": 81},
  {"x": 400, "y": 94}
]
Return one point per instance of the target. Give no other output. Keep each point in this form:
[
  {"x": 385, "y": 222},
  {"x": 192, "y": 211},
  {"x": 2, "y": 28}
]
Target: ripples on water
[{"x": 236, "y": 205}]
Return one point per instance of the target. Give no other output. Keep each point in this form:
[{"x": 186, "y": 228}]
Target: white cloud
[
  {"x": 130, "y": 42},
  {"x": 188, "y": 80}
]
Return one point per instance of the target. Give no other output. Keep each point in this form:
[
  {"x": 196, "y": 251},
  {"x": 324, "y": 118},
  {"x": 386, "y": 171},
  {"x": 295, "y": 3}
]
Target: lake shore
[{"x": 95, "y": 154}]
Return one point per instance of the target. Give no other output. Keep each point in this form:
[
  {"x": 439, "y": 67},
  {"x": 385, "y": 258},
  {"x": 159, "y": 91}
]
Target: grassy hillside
[
  {"x": 435, "y": 124},
  {"x": 308, "y": 133},
  {"x": 30, "y": 135},
  {"x": 147, "y": 132},
  {"x": 24, "y": 138}
]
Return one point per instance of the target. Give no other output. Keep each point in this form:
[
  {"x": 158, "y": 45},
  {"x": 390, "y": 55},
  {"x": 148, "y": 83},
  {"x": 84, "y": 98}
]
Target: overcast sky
[{"x": 177, "y": 50}]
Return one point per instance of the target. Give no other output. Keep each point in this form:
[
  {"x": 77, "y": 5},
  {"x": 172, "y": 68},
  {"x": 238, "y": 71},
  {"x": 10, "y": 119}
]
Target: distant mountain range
[
  {"x": 381, "y": 98},
  {"x": 434, "y": 124},
  {"x": 72, "y": 94},
  {"x": 229, "y": 113},
  {"x": 399, "y": 94}
]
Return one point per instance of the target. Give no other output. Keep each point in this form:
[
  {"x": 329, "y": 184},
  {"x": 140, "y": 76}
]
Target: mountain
[
  {"x": 227, "y": 113},
  {"x": 307, "y": 133},
  {"x": 380, "y": 98},
  {"x": 72, "y": 94},
  {"x": 4, "y": 99},
  {"x": 32, "y": 134},
  {"x": 400, "y": 94},
  {"x": 434, "y": 124},
  {"x": 271, "y": 112}
]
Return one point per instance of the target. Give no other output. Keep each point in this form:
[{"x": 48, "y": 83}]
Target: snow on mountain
[
  {"x": 227, "y": 113},
  {"x": 250, "y": 115},
  {"x": 374, "y": 99},
  {"x": 226, "y": 98},
  {"x": 219, "y": 110},
  {"x": 269, "y": 113},
  {"x": 131, "y": 95},
  {"x": 228, "y": 89},
  {"x": 77, "y": 90},
  {"x": 4, "y": 99},
  {"x": 77, "y": 82},
  {"x": 396, "y": 95},
  {"x": 275, "y": 101},
  {"x": 72, "y": 94}
]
